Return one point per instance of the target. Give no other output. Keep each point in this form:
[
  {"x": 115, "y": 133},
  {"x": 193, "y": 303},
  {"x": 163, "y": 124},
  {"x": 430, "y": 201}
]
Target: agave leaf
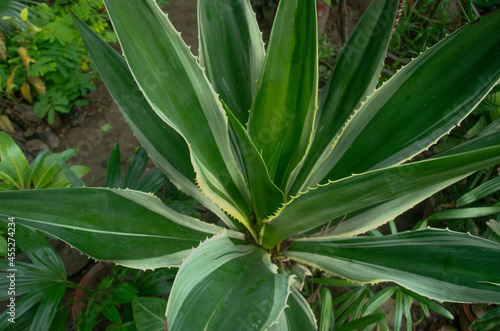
[
  {"x": 439, "y": 264},
  {"x": 442, "y": 86},
  {"x": 266, "y": 197},
  {"x": 127, "y": 227},
  {"x": 164, "y": 145},
  {"x": 282, "y": 115},
  {"x": 231, "y": 26},
  {"x": 179, "y": 92},
  {"x": 11, "y": 154},
  {"x": 43, "y": 280},
  {"x": 215, "y": 276},
  {"x": 297, "y": 315},
  {"x": 371, "y": 188},
  {"x": 354, "y": 77},
  {"x": 372, "y": 217}
]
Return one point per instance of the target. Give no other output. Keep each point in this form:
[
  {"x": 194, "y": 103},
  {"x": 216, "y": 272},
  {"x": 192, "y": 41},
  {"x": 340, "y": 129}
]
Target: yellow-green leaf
[
  {"x": 38, "y": 84},
  {"x": 23, "y": 53},
  {"x": 3, "y": 50},
  {"x": 26, "y": 92},
  {"x": 24, "y": 14}
]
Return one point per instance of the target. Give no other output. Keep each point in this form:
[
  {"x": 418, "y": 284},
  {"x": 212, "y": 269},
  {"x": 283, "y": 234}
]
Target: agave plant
[{"x": 295, "y": 179}]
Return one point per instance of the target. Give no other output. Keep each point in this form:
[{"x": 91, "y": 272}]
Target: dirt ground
[{"x": 93, "y": 144}]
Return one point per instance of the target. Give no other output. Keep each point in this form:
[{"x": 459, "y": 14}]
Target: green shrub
[
  {"x": 47, "y": 63},
  {"x": 297, "y": 180}
]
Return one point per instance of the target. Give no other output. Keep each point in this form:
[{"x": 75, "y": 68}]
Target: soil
[{"x": 93, "y": 144}]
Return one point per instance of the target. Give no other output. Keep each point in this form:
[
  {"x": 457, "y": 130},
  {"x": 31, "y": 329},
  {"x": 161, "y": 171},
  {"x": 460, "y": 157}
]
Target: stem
[{"x": 74, "y": 285}]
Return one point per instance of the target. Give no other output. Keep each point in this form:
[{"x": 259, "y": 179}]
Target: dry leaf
[
  {"x": 26, "y": 92},
  {"x": 5, "y": 124},
  {"x": 23, "y": 53},
  {"x": 3, "y": 50},
  {"x": 10, "y": 83},
  {"x": 38, "y": 84}
]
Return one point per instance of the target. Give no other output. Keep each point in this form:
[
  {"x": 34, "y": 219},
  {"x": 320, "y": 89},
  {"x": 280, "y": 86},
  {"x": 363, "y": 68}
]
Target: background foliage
[{"x": 46, "y": 62}]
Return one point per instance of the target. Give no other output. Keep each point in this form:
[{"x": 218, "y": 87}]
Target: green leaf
[
  {"x": 106, "y": 127},
  {"x": 354, "y": 77},
  {"x": 110, "y": 311},
  {"x": 127, "y": 227},
  {"x": 124, "y": 293},
  {"x": 398, "y": 309},
  {"x": 149, "y": 313},
  {"x": 60, "y": 320},
  {"x": 362, "y": 322},
  {"x": 494, "y": 225},
  {"x": 69, "y": 176},
  {"x": 44, "y": 280},
  {"x": 136, "y": 169},
  {"x": 480, "y": 192},
  {"x": 164, "y": 145},
  {"x": 439, "y": 264},
  {"x": 3, "y": 246},
  {"x": 231, "y": 26},
  {"x": 489, "y": 321},
  {"x": 282, "y": 115},
  {"x": 429, "y": 303},
  {"x": 370, "y": 189},
  {"x": 155, "y": 283},
  {"x": 8, "y": 175},
  {"x": 152, "y": 181},
  {"x": 326, "y": 310},
  {"x": 179, "y": 92},
  {"x": 35, "y": 166},
  {"x": 378, "y": 299},
  {"x": 25, "y": 311},
  {"x": 114, "y": 172},
  {"x": 221, "y": 286},
  {"x": 370, "y": 218},
  {"x": 12, "y": 155},
  {"x": 50, "y": 167},
  {"x": 266, "y": 197},
  {"x": 464, "y": 213},
  {"x": 394, "y": 123},
  {"x": 476, "y": 143}
]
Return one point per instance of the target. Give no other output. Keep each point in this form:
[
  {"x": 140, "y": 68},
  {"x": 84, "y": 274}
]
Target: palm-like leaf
[{"x": 43, "y": 281}]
